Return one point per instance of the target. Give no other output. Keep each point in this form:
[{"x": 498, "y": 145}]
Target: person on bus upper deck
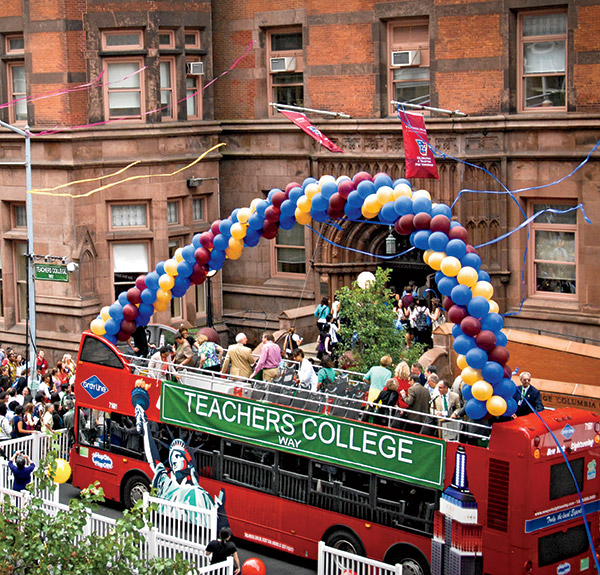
[
  {"x": 240, "y": 357},
  {"x": 432, "y": 386},
  {"x": 417, "y": 369},
  {"x": 377, "y": 376},
  {"x": 306, "y": 374},
  {"x": 159, "y": 366},
  {"x": 270, "y": 358},
  {"x": 417, "y": 398},
  {"x": 183, "y": 354},
  {"x": 526, "y": 391}
]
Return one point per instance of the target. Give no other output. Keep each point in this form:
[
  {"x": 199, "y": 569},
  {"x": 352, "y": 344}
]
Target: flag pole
[
  {"x": 300, "y": 109},
  {"x": 428, "y": 108}
]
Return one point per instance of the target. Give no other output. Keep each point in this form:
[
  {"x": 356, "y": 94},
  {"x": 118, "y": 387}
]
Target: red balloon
[
  {"x": 499, "y": 354},
  {"x": 335, "y": 214},
  {"x": 140, "y": 283},
  {"x": 471, "y": 249},
  {"x": 128, "y": 326},
  {"x": 507, "y": 371},
  {"x": 122, "y": 336},
  {"x": 447, "y": 302},
  {"x": 253, "y": 566},
  {"x": 202, "y": 255},
  {"x": 206, "y": 240},
  {"x": 211, "y": 334},
  {"x": 337, "y": 202},
  {"x": 290, "y": 186},
  {"x": 470, "y": 326},
  {"x": 361, "y": 176},
  {"x": 214, "y": 227},
  {"x": 422, "y": 221},
  {"x": 198, "y": 274},
  {"x": 134, "y": 295},
  {"x": 345, "y": 187},
  {"x": 277, "y": 199},
  {"x": 458, "y": 233},
  {"x": 130, "y": 312},
  {"x": 440, "y": 223},
  {"x": 270, "y": 230},
  {"x": 404, "y": 225},
  {"x": 457, "y": 313},
  {"x": 272, "y": 214},
  {"x": 486, "y": 340}
]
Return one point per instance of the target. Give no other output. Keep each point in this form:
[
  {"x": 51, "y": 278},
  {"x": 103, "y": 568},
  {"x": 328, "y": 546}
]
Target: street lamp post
[{"x": 30, "y": 331}]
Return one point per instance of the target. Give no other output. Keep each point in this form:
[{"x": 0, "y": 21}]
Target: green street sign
[
  {"x": 330, "y": 439},
  {"x": 51, "y": 272}
]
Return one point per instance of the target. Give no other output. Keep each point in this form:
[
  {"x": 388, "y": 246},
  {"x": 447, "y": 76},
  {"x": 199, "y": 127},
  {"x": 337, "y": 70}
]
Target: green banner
[
  {"x": 51, "y": 272},
  {"x": 333, "y": 440}
]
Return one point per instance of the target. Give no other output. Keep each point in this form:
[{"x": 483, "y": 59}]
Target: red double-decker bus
[{"x": 285, "y": 473}]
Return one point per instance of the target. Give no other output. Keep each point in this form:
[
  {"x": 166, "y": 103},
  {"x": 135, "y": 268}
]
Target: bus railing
[{"x": 335, "y": 561}]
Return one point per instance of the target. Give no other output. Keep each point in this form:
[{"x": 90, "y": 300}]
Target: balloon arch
[{"x": 478, "y": 339}]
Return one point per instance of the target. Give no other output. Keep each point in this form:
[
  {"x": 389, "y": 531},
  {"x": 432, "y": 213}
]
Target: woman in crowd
[{"x": 209, "y": 353}]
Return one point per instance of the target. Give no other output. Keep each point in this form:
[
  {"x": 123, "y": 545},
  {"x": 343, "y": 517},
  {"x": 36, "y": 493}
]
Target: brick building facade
[{"x": 526, "y": 73}]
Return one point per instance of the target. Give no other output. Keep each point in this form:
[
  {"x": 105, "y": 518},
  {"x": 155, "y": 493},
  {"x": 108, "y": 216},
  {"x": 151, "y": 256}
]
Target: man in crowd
[
  {"x": 526, "y": 391},
  {"x": 240, "y": 357},
  {"x": 417, "y": 398},
  {"x": 444, "y": 404},
  {"x": 416, "y": 369},
  {"x": 270, "y": 358}
]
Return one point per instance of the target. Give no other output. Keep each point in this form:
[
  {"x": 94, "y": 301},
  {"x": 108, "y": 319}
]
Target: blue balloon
[
  {"x": 422, "y": 204},
  {"x": 493, "y": 372},
  {"x": 365, "y": 188},
  {"x": 446, "y": 285},
  {"x": 319, "y": 203},
  {"x": 271, "y": 193},
  {"x": 295, "y": 194},
  {"x": 287, "y": 223},
  {"x": 160, "y": 268},
  {"x": 421, "y": 239},
  {"x": 463, "y": 343},
  {"x": 184, "y": 269},
  {"x": 484, "y": 276},
  {"x": 217, "y": 259},
  {"x": 383, "y": 180},
  {"x": 112, "y": 326},
  {"x": 111, "y": 338},
  {"x": 476, "y": 358},
  {"x": 255, "y": 221},
  {"x": 492, "y": 322},
  {"x": 251, "y": 241},
  {"x": 456, "y": 331},
  {"x": 188, "y": 252},
  {"x": 148, "y": 296},
  {"x": 471, "y": 260},
  {"x": 152, "y": 280},
  {"x": 501, "y": 339},
  {"x": 182, "y": 282},
  {"x": 288, "y": 209},
  {"x": 456, "y": 248},
  {"x": 225, "y": 227},
  {"x": 309, "y": 180},
  {"x": 454, "y": 224},
  {"x": 461, "y": 295},
  {"x": 388, "y": 214},
  {"x": 438, "y": 276},
  {"x": 177, "y": 291},
  {"x": 146, "y": 309},
  {"x": 221, "y": 242},
  {"x": 261, "y": 207},
  {"x": 354, "y": 200},
  {"x": 195, "y": 242},
  {"x": 234, "y": 215},
  {"x": 467, "y": 392},
  {"x": 402, "y": 181},
  {"x": 441, "y": 210},
  {"x": 123, "y": 298},
  {"x": 505, "y": 388},
  {"x": 328, "y": 189},
  {"x": 478, "y": 306},
  {"x": 318, "y": 215},
  {"x": 142, "y": 320},
  {"x": 438, "y": 241},
  {"x": 476, "y": 409},
  {"x": 403, "y": 205},
  {"x": 511, "y": 407},
  {"x": 352, "y": 212}
]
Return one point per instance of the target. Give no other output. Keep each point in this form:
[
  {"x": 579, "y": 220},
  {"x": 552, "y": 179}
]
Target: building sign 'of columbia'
[{"x": 330, "y": 439}]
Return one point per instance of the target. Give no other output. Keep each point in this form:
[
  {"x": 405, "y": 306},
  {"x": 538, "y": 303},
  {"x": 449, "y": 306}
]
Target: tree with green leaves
[
  {"x": 35, "y": 542},
  {"x": 368, "y": 325}
]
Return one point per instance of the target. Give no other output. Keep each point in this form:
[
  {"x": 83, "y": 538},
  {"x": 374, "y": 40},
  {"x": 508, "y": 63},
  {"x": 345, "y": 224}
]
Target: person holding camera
[{"x": 22, "y": 468}]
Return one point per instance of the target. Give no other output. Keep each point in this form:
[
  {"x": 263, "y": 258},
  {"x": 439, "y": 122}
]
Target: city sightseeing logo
[
  {"x": 567, "y": 432},
  {"x": 102, "y": 461},
  {"x": 94, "y": 387}
]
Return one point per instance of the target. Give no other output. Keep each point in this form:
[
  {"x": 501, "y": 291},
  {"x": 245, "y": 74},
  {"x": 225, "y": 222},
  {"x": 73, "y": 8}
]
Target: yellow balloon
[
  {"x": 494, "y": 307},
  {"x": 482, "y": 390},
  {"x": 467, "y": 276},
  {"x": 461, "y": 361},
  {"x": 243, "y": 215},
  {"x": 97, "y": 326},
  {"x": 304, "y": 204},
  {"x": 303, "y": 218},
  {"x": 161, "y": 305},
  {"x": 436, "y": 259},
  {"x": 238, "y": 231},
  {"x": 470, "y": 375},
  {"x": 403, "y": 190},
  {"x": 104, "y": 313},
  {"x": 233, "y": 254},
  {"x": 484, "y": 289},
  {"x": 496, "y": 405},
  {"x": 371, "y": 204},
  {"x": 421, "y": 194},
  {"x": 166, "y": 282},
  {"x": 367, "y": 214},
  {"x": 178, "y": 257},
  {"x": 311, "y": 190},
  {"x": 62, "y": 472},
  {"x": 326, "y": 178},
  {"x": 235, "y": 244},
  {"x": 426, "y": 255},
  {"x": 384, "y": 195},
  {"x": 450, "y": 266},
  {"x": 163, "y": 296},
  {"x": 171, "y": 267}
]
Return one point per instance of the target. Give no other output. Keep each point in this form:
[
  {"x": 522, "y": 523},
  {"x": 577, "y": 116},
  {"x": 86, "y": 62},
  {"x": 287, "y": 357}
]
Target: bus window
[
  {"x": 95, "y": 351},
  {"x": 91, "y": 428},
  {"x": 561, "y": 546},
  {"x": 238, "y": 469},
  {"x": 123, "y": 435},
  {"x": 561, "y": 480}
]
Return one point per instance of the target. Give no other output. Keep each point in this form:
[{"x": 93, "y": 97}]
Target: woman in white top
[{"x": 307, "y": 377}]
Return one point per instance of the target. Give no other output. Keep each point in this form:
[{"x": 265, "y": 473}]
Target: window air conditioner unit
[
  {"x": 406, "y": 58},
  {"x": 195, "y": 68},
  {"x": 287, "y": 64}
]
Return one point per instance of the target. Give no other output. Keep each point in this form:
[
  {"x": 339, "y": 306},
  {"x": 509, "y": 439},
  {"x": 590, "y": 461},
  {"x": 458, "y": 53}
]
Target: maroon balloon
[
  {"x": 206, "y": 240},
  {"x": 272, "y": 214},
  {"x": 128, "y": 326},
  {"x": 290, "y": 186},
  {"x": 422, "y": 221},
  {"x": 499, "y": 354},
  {"x": 440, "y": 223},
  {"x": 447, "y": 302},
  {"x": 361, "y": 176},
  {"x": 337, "y": 202},
  {"x": 270, "y": 230},
  {"x": 202, "y": 255},
  {"x": 486, "y": 340},
  {"x": 134, "y": 295},
  {"x": 457, "y": 313},
  {"x": 122, "y": 336},
  {"x": 345, "y": 187},
  {"x": 140, "y": 283},
  {"x": 471, "y": 249},
  {"x": 198, "y": 274},
  {"x": 405, "y": 225},
  {"x": 210, "y": 333},
  {"x": 335, "y": 214},
  {"x": 214, "y": 227},
  {"x": 130, "y": 312},
  {"x": 458, "y": 233},
  {"x": 470, "y": 326},
  {"x": 507, "y": 371},
  {"x": 278, "y": 198}
]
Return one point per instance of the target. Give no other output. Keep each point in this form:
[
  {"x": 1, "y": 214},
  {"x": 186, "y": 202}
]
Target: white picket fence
[{"x": 336, "y": 562}]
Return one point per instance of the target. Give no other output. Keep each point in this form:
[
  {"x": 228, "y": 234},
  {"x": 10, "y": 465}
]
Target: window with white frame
[
  {"x": 543, "y": 60},
  {"x": 19, "y": 216},
  {"x": 290, "y": 251},
  {"x": 408, "y": 62},
  {"x": 17, "y": 85},
  {"x": 201, "y": 298},
  {"x": 193, "y": 90},
  {"x": 129, "y": 215},
  {"x": 129, "y": 261},
  {"x": 173, "y": 209},
  {"x": 168, "y": 97},
  {"x": 124, "y": 88},
  {"x": 554, "y": 251},
  {"x": 198, "y": 209},
  {"x": 166, "y": 39},
  {"x": 285, "y": 63},
  {"x": 20, "y": 259}
]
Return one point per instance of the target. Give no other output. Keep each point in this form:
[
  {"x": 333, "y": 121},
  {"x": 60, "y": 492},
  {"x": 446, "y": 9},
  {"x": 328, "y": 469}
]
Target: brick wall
[{"x": 469, "y": 37}]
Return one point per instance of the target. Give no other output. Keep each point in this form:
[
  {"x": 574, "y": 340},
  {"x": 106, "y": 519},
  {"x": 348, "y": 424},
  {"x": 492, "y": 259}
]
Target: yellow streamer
[{"x": 50, "y": 191}]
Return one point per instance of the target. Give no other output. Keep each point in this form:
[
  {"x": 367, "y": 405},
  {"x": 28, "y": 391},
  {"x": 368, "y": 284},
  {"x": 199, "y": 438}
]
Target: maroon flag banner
[
  {"x": 420, "y": 161},
  {"x": 303, "y": 123}
]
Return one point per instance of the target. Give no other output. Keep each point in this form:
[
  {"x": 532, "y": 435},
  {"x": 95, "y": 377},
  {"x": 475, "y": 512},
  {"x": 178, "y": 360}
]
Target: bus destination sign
[{"x": 333, "y": 440}]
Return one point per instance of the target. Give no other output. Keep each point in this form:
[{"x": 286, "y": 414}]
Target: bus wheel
[
  {"x": 345, "y": 541},
  {"x": 134, "y": 489},
  {"x": 410, "y": 565}
]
